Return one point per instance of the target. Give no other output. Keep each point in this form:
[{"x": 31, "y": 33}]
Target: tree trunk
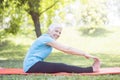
[{"x": 35, "y": 18}]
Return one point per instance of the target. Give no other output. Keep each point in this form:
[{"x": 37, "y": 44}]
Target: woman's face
[{"x": 55, "y": 33}]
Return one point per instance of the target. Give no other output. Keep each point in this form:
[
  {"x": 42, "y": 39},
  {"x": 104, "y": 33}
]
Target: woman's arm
[{"x": 68, "y": 49}]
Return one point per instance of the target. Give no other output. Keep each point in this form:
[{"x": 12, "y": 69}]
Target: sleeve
[{"x": 47, "y": 39}]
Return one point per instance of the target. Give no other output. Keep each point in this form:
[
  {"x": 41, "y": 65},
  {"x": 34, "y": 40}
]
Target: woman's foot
[{"x": 96, "y": 65}]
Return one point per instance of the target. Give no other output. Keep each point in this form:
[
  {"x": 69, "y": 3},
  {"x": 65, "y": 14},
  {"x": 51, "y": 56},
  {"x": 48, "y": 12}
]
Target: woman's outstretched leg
[{"x": 48, "y": 67}]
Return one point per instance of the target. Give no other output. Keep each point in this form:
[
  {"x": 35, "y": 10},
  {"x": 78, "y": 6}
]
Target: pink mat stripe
[{"x": 19, "y": 71}]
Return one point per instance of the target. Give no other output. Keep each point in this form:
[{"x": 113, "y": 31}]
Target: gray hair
[{"x": 53, "y": 26}]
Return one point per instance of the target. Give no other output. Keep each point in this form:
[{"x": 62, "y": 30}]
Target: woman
[{"x": 42, "y": 47}]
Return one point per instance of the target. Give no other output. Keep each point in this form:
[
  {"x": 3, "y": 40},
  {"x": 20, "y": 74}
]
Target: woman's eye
[
  {"x": 56, "y": 31},
  {"x": 59, "y": 32}
]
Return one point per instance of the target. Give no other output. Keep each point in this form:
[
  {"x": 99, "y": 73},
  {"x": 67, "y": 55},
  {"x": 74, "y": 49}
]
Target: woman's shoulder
[{"x": 45, "y": 37}]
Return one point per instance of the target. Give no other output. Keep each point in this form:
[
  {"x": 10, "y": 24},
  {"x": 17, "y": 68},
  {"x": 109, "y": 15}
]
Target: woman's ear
[{"x": 49, "y": 31}]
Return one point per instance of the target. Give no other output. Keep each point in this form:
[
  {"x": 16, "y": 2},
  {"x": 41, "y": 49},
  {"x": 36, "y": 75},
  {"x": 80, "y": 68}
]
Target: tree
[
  {"x": 35, "y": 8},
  {"x": 35, "y": 13}
]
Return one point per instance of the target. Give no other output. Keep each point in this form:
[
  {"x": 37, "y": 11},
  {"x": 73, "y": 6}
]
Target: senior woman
[{"x": 42, "y": 47}]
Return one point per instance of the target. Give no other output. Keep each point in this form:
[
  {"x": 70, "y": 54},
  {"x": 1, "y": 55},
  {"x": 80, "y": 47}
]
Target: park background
[{"x": 90, "y": 25}]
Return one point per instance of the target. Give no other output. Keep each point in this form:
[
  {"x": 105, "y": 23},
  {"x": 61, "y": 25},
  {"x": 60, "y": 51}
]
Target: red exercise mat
[{"x": 18, "y": 71}]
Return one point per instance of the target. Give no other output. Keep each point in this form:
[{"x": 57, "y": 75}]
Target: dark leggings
[{"x": 48, "y": 67}]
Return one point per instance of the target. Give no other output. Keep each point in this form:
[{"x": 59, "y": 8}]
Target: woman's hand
[{"x": 88, "y": 56}]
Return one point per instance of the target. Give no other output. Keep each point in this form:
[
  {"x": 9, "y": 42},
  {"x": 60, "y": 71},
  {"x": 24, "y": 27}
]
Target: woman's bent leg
[{"x": 48, "y": 67}]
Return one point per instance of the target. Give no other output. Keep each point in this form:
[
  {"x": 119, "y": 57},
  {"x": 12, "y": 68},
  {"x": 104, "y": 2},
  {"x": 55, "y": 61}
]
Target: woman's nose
[{"x": 58, "y": 33}]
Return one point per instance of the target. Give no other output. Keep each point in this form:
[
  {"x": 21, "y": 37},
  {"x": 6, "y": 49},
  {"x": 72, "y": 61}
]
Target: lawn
[{"x": 104, "y": 43}]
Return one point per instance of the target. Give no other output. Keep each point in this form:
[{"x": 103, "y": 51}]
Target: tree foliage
[
  {"x": 11, "y": 16},
  {"x": 15, "y": 9},
  {"x": 93, "y": 15}
]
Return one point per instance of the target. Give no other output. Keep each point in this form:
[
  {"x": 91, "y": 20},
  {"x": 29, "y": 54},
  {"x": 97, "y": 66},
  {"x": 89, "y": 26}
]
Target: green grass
[
  {"x": 48, "y": 77},
  {"x": 104, "y": 44}
]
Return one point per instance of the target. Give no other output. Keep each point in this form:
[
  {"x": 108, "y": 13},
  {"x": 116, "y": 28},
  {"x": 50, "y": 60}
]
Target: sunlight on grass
[
  {"x": 3, "y": 58},
  {"x": 9, "y": 50},
  {"x": 21, "y": 40},
  {"x": 98, "y": 44}
]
